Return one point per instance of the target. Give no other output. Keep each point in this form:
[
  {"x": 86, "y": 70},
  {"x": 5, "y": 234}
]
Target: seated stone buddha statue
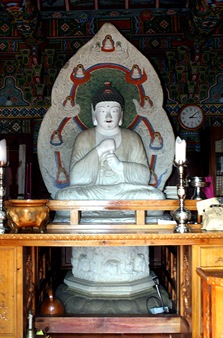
[{"x": 107, "y": 161}]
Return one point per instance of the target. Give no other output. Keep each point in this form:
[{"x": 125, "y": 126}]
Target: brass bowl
[{"x": 27, "y": 213}]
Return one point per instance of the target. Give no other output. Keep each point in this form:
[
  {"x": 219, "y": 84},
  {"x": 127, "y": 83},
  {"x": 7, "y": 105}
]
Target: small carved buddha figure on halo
[{"x": 109, "y": 162}]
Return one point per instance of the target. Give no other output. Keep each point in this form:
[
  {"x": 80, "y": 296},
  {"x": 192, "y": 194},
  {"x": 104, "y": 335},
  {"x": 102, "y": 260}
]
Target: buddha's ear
[
  {"x": 121, "y": 118},
  {"x": 94, "y": 120}
]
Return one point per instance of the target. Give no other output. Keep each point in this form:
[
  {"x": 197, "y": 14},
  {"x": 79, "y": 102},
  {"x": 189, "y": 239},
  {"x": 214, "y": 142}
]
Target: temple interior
[{"x": 101, "y": 230}]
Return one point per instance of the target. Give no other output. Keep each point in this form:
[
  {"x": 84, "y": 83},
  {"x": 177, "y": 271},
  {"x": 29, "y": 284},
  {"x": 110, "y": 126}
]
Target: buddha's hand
[
  {"x": 114, "y": 163},
  {"x": 105, "y": 147}
]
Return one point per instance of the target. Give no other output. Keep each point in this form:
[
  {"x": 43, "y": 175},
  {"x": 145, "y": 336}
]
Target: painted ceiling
[
  {"x": 27, "y": 15},
  {"x": 96, "y": 4},
  {"x": 205, "y": 15}
]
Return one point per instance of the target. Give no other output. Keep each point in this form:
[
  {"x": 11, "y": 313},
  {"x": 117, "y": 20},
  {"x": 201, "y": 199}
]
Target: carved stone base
[
  {"x": 120, "y": 289},
  {"x": 77, "y": 303}
]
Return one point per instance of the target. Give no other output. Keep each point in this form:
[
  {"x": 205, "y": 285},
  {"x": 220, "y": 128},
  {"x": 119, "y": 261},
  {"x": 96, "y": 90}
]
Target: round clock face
[{"x": 191, "y": 117}]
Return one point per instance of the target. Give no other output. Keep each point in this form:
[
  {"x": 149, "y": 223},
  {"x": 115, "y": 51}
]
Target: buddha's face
[{"x": 107, "y": 115}]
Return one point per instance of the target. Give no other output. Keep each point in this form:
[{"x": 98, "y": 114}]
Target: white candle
[
  {"x": 180, "y": 150},
  {"x": 3, "y": 154}
]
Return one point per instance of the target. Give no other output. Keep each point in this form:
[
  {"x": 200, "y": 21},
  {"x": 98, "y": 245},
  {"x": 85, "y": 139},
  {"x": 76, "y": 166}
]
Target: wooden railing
[{"x": 140, "y": 207}]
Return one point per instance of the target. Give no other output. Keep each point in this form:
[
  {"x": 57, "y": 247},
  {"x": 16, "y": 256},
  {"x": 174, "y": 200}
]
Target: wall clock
[{"x": 191, "y": 117}]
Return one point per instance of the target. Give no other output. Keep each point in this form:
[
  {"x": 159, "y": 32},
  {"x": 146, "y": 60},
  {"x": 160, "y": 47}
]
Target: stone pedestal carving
[{"x": 110, "y": 271}]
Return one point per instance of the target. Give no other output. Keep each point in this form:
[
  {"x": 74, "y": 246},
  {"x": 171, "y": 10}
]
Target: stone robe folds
[{"x": 92, "y": 178}]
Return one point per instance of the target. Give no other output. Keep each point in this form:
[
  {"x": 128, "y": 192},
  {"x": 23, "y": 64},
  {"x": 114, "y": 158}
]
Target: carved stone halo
[{"x": 108, "y": 56}]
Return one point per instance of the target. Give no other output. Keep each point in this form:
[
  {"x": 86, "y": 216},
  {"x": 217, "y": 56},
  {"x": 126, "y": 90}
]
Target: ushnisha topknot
[{"x": 108, "y": 93}]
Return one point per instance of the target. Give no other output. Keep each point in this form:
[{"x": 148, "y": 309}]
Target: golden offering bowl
[{"x": 27, "y": 213}]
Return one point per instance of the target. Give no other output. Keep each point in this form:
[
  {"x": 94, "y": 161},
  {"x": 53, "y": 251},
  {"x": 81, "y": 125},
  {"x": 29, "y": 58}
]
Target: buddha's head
[{"x": 107, "y": 108}]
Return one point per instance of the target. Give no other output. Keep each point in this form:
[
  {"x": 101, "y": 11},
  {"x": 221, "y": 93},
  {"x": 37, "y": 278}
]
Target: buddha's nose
[{"x": 108, "y": 114}]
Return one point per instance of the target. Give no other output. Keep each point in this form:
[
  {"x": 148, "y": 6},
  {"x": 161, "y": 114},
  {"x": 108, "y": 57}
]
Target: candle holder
[
  {"x": 30, "y": 332},
  {"x": 181, "y": 215},
  {"x": 2, "y": 194},
  {"x": 197, "y": 183}
]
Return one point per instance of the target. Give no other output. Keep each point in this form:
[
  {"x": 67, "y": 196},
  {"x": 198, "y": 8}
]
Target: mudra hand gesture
[{"x": 105, "y": 147}]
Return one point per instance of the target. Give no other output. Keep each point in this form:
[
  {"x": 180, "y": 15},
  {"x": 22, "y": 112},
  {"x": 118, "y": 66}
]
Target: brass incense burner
[{"x": 27, "y": 213}]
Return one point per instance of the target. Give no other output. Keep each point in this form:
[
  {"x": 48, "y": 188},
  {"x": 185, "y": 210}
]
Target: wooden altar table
[{"x": 196, "y": 249}]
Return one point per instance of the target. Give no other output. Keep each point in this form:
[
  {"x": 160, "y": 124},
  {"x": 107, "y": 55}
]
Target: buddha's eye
[
  {"x": 115, "y": 110},
  {"x": 102, "y": 110}
]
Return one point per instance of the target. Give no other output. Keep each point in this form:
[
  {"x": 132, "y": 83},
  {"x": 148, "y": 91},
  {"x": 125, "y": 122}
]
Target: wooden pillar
[
  {"x": 67, "y": 5},
  {"x": 212, "y": 301},
  {"x": 126, "y": 4},
  {"x": 95, "y": 4}
]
